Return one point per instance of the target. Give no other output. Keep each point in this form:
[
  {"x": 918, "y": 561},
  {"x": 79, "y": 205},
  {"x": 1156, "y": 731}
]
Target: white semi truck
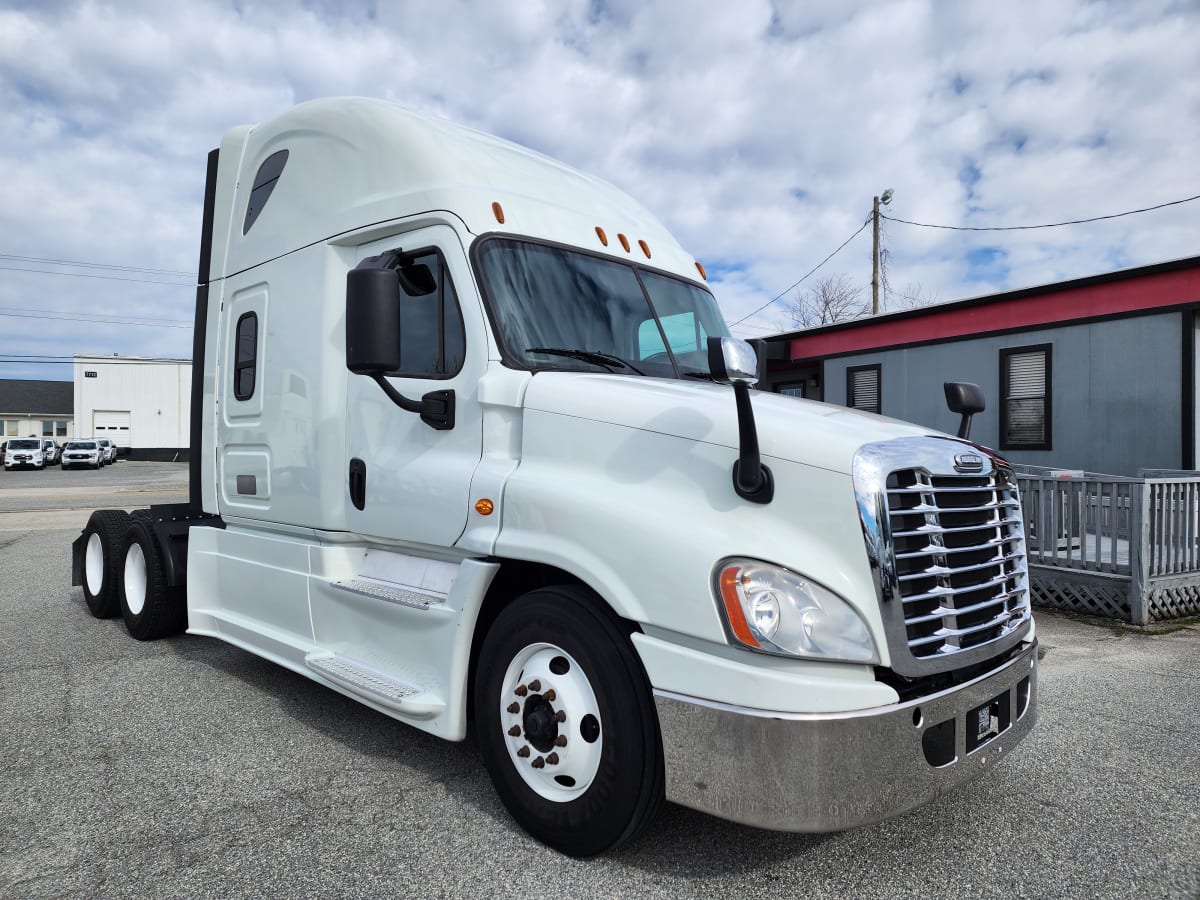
[{"x": 471, "y": 444}]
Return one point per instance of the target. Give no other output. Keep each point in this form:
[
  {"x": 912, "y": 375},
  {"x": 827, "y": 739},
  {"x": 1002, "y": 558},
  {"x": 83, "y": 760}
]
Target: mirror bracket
[{"x": 436, "y": 408}]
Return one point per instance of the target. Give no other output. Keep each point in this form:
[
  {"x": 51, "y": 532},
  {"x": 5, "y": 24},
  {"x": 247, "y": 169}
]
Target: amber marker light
[
  {"x": 645, "y": 248},
  {"x": 733, "y": 606},
  {"x": 498, "y": 212},
  {"x": 485, "y": 507},
  {"x": 624, "y": 242},
  {"x": 700, "y": 269},
  {"x": 603, "y": 237}
]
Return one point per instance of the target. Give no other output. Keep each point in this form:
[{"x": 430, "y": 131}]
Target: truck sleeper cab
[{"x": 471, "y": 440}]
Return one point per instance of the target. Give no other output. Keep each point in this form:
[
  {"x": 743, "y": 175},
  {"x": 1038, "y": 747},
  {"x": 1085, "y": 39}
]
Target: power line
[
  {"x": 87, "y": 275},
  {"x": 69, "y": 318},
  {"x": 69, "y": 314},
  {"x": 93, "y": 265},
  {"x": 1048, "y": 225},
  {"x": 805, "y": 275}
]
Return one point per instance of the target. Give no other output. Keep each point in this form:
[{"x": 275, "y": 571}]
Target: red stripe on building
[{"x": 1146, "y": 292}]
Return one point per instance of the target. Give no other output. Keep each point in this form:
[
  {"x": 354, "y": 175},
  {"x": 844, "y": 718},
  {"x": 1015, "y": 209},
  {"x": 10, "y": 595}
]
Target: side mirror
[
  {"x": 731, "y": 361},
  {"x": 966, "y": 399},
  {"x": 372, "y": 321},
  {"x": 734, "y": 362}
]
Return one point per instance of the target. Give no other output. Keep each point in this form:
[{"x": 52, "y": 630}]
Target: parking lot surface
[{"x": 187, "y": 767}]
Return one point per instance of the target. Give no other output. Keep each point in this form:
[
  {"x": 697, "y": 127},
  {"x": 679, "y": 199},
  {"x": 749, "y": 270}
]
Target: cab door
[{"x": 406, "y": 480}]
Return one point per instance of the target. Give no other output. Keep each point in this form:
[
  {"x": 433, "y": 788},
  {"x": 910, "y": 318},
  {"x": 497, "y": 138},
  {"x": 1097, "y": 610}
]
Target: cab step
[
  {"x": 371, "y": 684},
  {"x": 390, "y": 592}
]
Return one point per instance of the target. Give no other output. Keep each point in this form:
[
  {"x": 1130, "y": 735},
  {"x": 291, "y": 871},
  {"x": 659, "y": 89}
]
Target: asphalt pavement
[{"x": 187, "y": 767}]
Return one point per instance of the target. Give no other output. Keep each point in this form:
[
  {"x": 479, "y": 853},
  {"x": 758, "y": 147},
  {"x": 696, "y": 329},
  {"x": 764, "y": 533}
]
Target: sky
[{"x": 757, "y": 131}]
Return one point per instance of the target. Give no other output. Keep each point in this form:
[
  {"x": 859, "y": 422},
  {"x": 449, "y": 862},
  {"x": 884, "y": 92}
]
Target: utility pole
[{"x": 887, "y": 198}]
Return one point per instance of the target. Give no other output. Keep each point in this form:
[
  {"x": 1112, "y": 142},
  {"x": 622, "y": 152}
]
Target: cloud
[{"x": 758, "y": 132}]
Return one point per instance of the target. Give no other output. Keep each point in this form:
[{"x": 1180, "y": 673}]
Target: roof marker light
[
  {"x": 645, "y": 248},
  {"x": 498, "y": 212},
  {"x": 624, "y": 242},
  {"x": 603, "y": 237},
  {"x": 700, "y": 269}
]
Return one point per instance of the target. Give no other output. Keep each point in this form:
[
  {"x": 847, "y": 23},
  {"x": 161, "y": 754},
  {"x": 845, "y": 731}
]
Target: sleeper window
[{"x": 245, "y": 356}]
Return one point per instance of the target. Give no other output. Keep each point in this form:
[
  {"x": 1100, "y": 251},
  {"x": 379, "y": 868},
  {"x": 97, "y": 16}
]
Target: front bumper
[{"x": 828, "y": 772}]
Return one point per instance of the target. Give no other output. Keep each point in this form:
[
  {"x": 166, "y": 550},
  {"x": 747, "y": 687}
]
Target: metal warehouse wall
[
  {"x": 1116, "y": 389},
  {"x": 155, "y": 393}
]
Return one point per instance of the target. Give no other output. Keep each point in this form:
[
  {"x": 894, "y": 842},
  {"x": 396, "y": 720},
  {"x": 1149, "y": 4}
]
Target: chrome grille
[{"x": 948, "y": 550}]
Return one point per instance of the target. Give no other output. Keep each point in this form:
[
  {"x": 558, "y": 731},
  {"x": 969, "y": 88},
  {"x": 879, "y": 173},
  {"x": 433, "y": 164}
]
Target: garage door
[{"x": 112, "y": 424}]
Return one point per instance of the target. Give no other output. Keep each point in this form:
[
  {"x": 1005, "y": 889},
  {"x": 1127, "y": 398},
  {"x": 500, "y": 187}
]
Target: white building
[{"x": 139, "y": 404}]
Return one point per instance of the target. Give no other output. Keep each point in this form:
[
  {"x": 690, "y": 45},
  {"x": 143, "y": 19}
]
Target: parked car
[
  {"x": 50, "y": 452},
  {"x": 82, "y": 453},
  {"x": 24, "y": 453},
  {"x": 110, "y": 451}
]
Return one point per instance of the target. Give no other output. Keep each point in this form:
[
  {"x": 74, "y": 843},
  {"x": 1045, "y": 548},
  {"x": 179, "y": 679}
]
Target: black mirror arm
[
  {"x": 964, "y": 426},
  {"x": 751, "y": 479},
  {"x": 436, "y": 408}
]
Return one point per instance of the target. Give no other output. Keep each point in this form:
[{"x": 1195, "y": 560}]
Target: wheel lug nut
[
  {"x": 535, "y": 685},
  {"x": 515, "y": 731},
  {"x": 521, "y": 690},
  {"x": 523, "y": 752},
  {"x": 514, "y": 707},
  {"x": 550, "y": 695},
  {"x": 552, "y": 759},
  {"x": 560, "y": 716},
  {"x": 538, "y": 763},
  {"x": 560, "y": 741}
]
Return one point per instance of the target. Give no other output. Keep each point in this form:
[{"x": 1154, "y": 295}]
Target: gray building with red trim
[{"x": 1096, "y": 373}]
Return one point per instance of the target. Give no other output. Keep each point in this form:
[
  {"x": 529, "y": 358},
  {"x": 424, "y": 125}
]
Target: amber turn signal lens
[
  {"x": 484, "y": 507},
  {"x": 733, "y": 606},
  {"x": 700, "y": 269},
  {"x": 498, "y": 212},
  {"x": 603, "y": 237}
]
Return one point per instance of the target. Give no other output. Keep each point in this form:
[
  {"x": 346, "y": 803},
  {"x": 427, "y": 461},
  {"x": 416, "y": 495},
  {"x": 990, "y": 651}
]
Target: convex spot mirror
[
  {"x": 372, "y": 321},
  {"x": 731, "y": 361}
]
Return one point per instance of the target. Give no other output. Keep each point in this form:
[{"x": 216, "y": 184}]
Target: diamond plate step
[
  {"x": 389, "y": 591},
  {"x": 410, "y": 699}
]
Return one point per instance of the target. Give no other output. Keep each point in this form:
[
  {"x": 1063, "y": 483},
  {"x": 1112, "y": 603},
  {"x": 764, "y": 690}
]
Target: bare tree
[
  {"x": 833, "y": 298},
  {"x": 913, "y": 296}
]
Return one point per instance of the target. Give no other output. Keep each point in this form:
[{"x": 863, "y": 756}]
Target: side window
[
  {"x": 684, "y": 332},
  {"x": 432, "y": 343},
  {"x": 246, "y": 356},
  {"x": 264, "y": 183},
  {"x": 864, "y": 388},
  {"x": 1025, "y": 398}
]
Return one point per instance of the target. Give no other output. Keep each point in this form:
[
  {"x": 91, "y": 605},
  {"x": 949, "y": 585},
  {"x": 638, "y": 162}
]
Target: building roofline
[{"x": 1172, "y": 265}]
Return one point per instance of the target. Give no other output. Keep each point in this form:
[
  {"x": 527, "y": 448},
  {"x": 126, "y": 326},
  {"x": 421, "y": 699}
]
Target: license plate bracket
[{"x": 987, "y": 721}]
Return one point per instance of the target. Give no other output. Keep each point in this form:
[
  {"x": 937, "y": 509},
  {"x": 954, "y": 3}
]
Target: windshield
[
  {"x": 81, "y": 445},
  {"x": 22, "y": 444},
  {"x": 558, "y": 308}
]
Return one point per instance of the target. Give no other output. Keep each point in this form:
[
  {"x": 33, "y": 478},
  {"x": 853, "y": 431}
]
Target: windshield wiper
[{"x": 591, "y": 356}]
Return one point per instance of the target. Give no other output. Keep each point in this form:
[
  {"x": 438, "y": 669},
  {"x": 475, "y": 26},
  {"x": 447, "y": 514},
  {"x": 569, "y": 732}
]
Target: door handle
[{"x": 358, "y": 483}]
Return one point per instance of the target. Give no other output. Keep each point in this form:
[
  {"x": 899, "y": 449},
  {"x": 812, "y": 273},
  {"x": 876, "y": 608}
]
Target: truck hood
[{"x": 802, "y": 431}]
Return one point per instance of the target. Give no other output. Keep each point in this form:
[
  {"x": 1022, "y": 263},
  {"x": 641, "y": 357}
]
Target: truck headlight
[{"x": 774, "y": 610}]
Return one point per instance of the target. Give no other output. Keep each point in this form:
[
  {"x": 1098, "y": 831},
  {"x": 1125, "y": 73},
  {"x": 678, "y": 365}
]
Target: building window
[
  {"x": 47, "y": 428},
  {"x": 10, "y": 427},
  {"x": 864, "y": 388},
  {"x": 60, "y": 429},
  {"x": 791, "y": 389},
  {"x": 246, "y": 356},
  {"x": 1025, "y": 398}
]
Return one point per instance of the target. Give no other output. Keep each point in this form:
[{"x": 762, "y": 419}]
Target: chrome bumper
[{"x": 827, "y": 772}]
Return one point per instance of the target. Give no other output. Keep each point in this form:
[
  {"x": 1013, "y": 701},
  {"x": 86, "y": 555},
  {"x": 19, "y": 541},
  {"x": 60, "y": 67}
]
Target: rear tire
[
  {"x": 102, "y": 557},
  {"x": 566, "y": 722},
  {"x": 150, "y": 607}
]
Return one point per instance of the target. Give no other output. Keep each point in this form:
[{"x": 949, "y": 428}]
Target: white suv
[
  {"x": 24, "y": 453},
  {"x": 110, "y": 451},
  {"x": 82, "y": 453}
]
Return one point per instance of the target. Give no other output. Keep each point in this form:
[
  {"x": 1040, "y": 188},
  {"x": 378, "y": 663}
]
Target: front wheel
[{"x": 566, "y": 722}]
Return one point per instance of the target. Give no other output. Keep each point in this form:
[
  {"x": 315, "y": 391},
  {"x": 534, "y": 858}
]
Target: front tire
[
  {"x": 150, "y": 607},
  {"x": 102, "y": 560},
  {"x": 566, "y": 722}
]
